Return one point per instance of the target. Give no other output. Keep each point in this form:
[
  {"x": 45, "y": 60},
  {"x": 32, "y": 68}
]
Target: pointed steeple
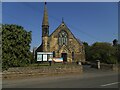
[
  {"x": 45, "y": 24},
  {"x": 45, "y": 17},
  {"x": 45, "y": 30},
  {"x": 62, "y": 20}
]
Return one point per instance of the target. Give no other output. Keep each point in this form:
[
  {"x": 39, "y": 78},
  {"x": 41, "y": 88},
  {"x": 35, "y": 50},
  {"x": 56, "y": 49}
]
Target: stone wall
[
  {"x": 73, "y": 46},
  {"x": 22, "y": 72},
  {"x": 113, "y": 67}
]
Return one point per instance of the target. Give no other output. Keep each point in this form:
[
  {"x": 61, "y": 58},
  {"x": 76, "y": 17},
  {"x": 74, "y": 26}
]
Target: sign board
[
  {"x": 44, "y": 53},
  {"x": 50, "y": 57},
  {"x": 39, "y": 57},
  {"x": 58, "y": 59},
  {"x": 44, "y": 56}
]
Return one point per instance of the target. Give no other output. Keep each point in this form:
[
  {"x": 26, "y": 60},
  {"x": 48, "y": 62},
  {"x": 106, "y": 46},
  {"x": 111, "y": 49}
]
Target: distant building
[{"x": 61, "y": 42}]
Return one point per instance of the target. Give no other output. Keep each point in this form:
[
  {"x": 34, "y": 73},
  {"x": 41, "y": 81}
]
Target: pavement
[{"x": 90, "y": 78}]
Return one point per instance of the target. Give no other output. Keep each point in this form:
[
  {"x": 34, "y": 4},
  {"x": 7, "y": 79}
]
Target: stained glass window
[{"x": 62, "y": 39}]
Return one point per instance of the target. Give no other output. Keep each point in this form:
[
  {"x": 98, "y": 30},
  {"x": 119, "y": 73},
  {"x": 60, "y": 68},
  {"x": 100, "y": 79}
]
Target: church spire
[
  {"x": 45, "y": 17},
  {"x": 45, "y": 24},
  {"x": 45, "y": 30},
  {"x": 62, "y": 20}
]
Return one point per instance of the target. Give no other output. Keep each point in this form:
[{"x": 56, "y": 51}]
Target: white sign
[
  {"x": 44, "y": 57},
  {"x": 44, "y": 53},
  {"x": 39, "y": 57},
  {"x": 58, "y": 59}
]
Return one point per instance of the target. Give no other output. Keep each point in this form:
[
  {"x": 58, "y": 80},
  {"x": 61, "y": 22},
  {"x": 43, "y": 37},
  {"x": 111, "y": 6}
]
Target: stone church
[{"x": 61, "y": 42}]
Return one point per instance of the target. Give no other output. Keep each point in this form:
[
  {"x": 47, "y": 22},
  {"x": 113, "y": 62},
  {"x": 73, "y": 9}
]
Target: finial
[
  {"x": 62, "y": 20},
  {"x": 45, "y": 3}
]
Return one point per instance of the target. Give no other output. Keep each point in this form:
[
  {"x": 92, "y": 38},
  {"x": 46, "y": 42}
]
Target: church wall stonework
[
  {"x": 45, "y": 44},
  {"x": 73, "y": 46},
  {"x": 62, "y": 42}
]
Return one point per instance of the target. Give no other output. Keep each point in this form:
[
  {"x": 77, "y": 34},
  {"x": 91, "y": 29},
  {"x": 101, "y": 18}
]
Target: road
[{"x": 91, "y": 78}]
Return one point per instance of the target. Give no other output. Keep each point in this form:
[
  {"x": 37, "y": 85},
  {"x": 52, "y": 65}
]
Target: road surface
[{"x": 91, "y": 78}]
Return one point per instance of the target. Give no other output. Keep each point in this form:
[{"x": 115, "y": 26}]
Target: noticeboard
[
  {"x": 39, "y": 57},
  {"x": 44, "y": 56},
  {"x": 50, "y": 58}
]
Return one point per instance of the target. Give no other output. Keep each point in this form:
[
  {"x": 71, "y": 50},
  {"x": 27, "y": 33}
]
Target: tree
[
  {"x": 115, "y": 42},
  {"x": 116, "y": 45},
  {"x": 15, "y": 46},
  {"x": 0, "y": 47},
  {"x": 87, "y": 51},
  {"x": 104, "y": 52},
  {"x": 118, "y": 53}
]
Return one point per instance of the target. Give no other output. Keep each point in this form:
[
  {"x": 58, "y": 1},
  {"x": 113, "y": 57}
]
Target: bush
[{"x": 15, "y": 46}]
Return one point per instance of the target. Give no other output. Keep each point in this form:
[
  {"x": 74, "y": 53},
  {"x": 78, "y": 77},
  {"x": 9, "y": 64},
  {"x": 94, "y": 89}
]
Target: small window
[
  {"x": 53, "y": 53},
  {"x": 72, "y": 55}
]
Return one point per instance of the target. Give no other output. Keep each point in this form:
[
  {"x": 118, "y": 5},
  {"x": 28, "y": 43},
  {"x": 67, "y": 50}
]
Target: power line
[
  {"x": 54, "y": 18},
  {"x": 34, "y": 8},
  {"x": 16, "y": 18},
  {"x": 93, "y": 37}
]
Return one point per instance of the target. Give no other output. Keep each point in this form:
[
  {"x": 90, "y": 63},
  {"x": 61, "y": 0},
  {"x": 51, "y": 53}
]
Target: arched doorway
[{"x": 64, "y": 56}]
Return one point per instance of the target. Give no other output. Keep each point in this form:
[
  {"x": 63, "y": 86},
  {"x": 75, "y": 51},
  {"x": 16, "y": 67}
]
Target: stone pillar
[
  {"x": 98, "y": 64},
  {"x": 79, "y": 63}
]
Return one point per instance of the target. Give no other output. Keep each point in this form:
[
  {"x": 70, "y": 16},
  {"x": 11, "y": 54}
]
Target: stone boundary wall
[
  {"x": 113, "y": 67},
  {"x": 22, "y": 72}
]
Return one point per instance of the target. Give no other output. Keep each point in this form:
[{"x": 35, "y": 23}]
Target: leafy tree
[
  {"x": 115, "y": 42},
  {"x": 87, "y": 50},
  {"x": 118, "y": 53},
  {"x": 104, "y": 52},
  {"x": 116, "y": 45},
  {"x": 0, "y": 47},
  {"x": 15, "y": 46}
]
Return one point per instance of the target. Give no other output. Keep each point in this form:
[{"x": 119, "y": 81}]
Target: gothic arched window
[{"x": 62, "y": 38}]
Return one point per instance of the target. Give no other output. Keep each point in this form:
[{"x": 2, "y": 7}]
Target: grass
[{"x": 46, "y": 64}]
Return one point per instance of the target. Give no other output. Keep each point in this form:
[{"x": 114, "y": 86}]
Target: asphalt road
[{"x": 91, "y": 78}]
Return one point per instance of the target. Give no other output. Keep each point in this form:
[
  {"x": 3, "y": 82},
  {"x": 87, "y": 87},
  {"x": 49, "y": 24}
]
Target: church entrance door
[{"x": 64, "y": 56}]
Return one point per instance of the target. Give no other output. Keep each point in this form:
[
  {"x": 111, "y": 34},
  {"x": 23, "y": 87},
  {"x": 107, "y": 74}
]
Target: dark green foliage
[
  {"x": 87, "y": 50},
  {"x": 115, "y": 42},
  {"x": 15, "y": 46},
  {"x": 118, "y": 53},
  {"x": 102, "y": 51},
  {"x": 32, "y": 61},
  {"x": 0, "y": 47}
]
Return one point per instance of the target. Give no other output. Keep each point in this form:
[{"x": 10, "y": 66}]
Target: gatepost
[
  {"x": 79, "y": 63},
  {"x": 98, "y": 64}
]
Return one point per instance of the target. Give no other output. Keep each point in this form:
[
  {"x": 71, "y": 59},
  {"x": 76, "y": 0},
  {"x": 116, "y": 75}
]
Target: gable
[{"x": 61, "y": 27}]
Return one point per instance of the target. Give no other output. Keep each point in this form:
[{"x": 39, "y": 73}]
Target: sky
[{"x": 89, "y": 21}]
